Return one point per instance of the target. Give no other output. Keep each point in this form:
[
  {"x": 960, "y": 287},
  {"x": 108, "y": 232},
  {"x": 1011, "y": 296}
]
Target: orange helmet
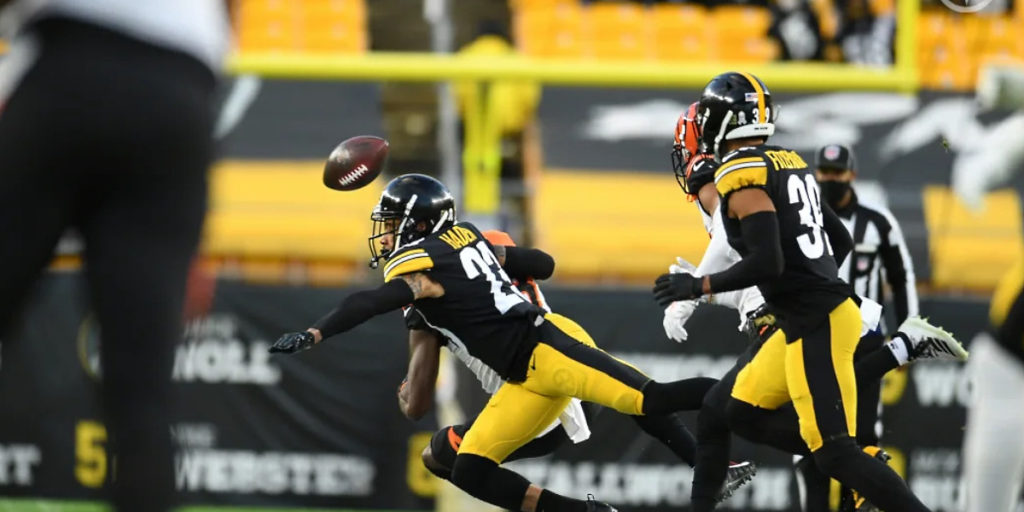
[{"x": 686, "y": 147}]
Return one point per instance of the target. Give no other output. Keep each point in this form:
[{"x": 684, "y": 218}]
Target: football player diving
[
  {"x": 914, "y": 340},
  {"x": 788, "y": 242},
  {"x": 417, "y": 392},
  {"x": 462, "y": 289}
]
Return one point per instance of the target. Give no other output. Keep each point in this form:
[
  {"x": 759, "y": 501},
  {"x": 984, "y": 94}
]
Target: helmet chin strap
[{"x": 405, "y": 220}]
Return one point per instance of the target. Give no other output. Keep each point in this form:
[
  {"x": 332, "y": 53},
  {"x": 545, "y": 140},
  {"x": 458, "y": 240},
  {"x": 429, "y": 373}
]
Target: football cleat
[
  {"x": 598, "y": 506},
  {"x": 738, "y": 474},
  {"x": 926, "y": 341}
]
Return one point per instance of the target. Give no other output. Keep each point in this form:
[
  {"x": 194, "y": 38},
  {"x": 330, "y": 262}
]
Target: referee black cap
[{"x": 837, "y": 157}]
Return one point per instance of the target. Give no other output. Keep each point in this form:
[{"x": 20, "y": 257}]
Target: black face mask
[{"x": 834, "y": 191}]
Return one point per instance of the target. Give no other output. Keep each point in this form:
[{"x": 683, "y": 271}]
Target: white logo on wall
[
  {"x": 213, "y": 352},
  {"x": 201, "y": 467},
  {"x": 651, "y": 485},
  {"x": 804, "y": 123},
  {"x": 18, "y": 463}
]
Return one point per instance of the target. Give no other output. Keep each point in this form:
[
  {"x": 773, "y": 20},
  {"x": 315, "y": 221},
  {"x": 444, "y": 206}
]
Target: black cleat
[
  {"x": 598, "y": 506},
  {"x": 738, "y": 474}
]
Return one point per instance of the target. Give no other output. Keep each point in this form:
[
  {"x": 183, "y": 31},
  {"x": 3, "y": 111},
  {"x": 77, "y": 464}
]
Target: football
[{"x": 355, "y": 162}]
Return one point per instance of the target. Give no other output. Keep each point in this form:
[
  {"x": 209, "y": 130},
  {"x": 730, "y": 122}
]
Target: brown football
[{"x": 355, "y": 162}]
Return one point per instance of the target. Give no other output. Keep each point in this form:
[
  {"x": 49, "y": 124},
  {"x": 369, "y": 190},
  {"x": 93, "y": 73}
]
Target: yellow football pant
[
  {"x": 566, "y": 363},
  {"x": 815, "y": 372}
]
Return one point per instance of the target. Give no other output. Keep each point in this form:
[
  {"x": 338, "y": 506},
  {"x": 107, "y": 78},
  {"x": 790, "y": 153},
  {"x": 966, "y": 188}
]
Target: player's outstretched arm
[
  {"x": 360, "y": 307},
  {"x": 522, "y": 263},
  {"x": 416, "y": 396}
]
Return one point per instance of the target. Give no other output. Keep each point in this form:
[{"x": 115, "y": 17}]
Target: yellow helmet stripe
[{"x": 762, "y": 116}]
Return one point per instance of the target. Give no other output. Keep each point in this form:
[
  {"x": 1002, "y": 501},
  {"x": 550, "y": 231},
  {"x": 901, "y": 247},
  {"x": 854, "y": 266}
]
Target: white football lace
[{"x": 354, "y": 175}]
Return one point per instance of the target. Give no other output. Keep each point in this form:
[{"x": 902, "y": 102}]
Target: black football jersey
[
  {"x": 481, "y": 309},
  {"x": 809, "y": 284}
]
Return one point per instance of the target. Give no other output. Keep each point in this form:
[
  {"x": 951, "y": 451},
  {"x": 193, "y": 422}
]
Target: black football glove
[
  {"x": 669, "y": 288},
  {"x": 760, "y": 324},
  {"x": 293, "y": 342}
]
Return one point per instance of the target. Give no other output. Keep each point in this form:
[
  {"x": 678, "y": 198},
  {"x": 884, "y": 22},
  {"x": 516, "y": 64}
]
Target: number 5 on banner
[{"x": 90, "y": 457}]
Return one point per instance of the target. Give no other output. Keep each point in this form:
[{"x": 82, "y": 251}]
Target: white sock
[{"x": 900, "y": 350}]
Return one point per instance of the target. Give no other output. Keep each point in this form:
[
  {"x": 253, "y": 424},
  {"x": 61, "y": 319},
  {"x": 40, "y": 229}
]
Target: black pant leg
[{"x": 142, "y": 147}]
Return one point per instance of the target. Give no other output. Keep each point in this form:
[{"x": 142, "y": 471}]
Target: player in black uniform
[
  {"x": 449, "y": 271},
  {"x": 417, "y": 391},
  {"x": 774, "y": 218}
]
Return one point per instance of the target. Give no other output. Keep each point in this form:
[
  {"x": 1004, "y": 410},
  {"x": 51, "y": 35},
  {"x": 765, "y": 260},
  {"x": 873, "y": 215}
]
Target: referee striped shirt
[{"x": 879, "y": 256}]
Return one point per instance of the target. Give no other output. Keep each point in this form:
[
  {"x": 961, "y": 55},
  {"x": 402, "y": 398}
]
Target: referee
[{"x": 106, "y": 127}]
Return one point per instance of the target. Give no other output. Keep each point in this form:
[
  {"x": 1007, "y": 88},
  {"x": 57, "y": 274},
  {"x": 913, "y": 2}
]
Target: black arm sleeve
[
  {"x": 764, "y": 259},
  {"x": 364, "y": 305},
  {"x": 842, "y": 242},
  {"x": 896, "y": 275},
  {"x": 521, "y": 263}
]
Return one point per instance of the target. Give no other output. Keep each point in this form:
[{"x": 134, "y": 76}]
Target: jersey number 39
[
  {"x": 805, "y": 191},
  {"x": 478, "y": 259}
]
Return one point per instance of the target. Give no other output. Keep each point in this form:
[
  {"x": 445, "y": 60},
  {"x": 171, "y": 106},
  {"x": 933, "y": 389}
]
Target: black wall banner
[{"x": 322, "y": 428}]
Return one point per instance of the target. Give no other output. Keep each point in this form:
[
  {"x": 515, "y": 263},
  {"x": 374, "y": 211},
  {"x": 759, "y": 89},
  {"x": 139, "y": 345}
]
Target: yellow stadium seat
[
  {"x": 561, "y": 43},
  {"x": 276, "y": 209},
  {"x": 682, "y": 46},
  {"x": 1003, "y": 35},
  {"x": 949, "y": 69},
  {"x": 621, "y": 241},
  {"x": 677, "y": 17},
  {"x": 971, "y": 249},
  {"x": 619, "y": 47},
  {"x": 752, "y": 50},
  {"x": 339, "y": 38},
  {"x": 272, "y": 8},
  {"x": 742, "y": 21},
  {"x": 616, "y": 17},
  {"x": 352, "y": 11},
  {"x": 932, "y": 27},
  {"x": 529, "y": 24},
  {"x": 271, "y": 36}
]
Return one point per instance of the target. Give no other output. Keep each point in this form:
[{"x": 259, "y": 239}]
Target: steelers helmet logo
[{"x": 966, "y": 6}]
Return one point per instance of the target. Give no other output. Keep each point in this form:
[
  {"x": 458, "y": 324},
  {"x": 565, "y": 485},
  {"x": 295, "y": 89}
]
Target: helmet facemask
[
  {"x": 404, "y": 227},
  {"x": 685, "y": 146}
]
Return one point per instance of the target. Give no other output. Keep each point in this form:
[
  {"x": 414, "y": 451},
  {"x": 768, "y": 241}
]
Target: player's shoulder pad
[
  {"x": 742, "y": 168},
  {"x": 409, "y": 259}
]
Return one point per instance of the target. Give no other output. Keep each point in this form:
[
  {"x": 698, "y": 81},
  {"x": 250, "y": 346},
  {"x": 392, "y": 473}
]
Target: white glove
[
  {"x": 681, "y": 266},
  {"x": 676, "y": 316}
]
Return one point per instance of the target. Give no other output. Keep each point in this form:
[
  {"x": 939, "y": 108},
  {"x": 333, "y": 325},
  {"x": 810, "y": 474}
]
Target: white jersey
[
  {"x": 197, "y": 27},
  {"x": 719, "y": 256}
]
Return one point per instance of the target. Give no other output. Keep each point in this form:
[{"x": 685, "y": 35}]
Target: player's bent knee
[
  {"x": 739, "y": 414},
  {"x": 434, "y": 466},
  {"x": 834, "y": 455},
  {"x": 471, "y": 473}
]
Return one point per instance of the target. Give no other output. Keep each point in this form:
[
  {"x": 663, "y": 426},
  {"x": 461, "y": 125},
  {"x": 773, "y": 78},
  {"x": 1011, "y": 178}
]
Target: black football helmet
[
  {"x": 411, "y": 207},
  {"x": 734, "y": 106}
]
